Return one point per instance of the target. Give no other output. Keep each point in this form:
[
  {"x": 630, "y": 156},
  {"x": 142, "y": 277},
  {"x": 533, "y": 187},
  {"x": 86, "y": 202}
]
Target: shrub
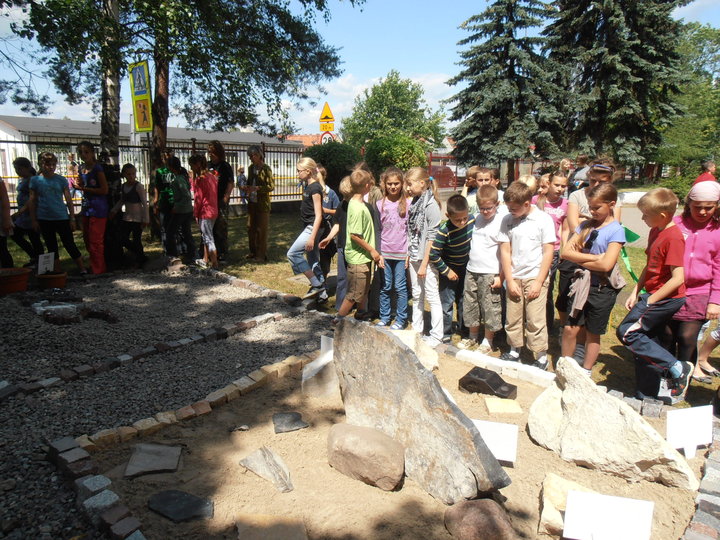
[
  {"x": 395, "y": 150},
  {"x": 337, "y": 158},
  {"x": 680, "y": 185}
]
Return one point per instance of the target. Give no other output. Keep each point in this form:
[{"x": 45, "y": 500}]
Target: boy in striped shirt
[{"x": 449, "y": 254}]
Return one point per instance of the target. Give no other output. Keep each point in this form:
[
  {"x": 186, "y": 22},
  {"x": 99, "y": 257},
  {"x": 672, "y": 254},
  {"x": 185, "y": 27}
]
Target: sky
[{"x": 417, "y": 38}]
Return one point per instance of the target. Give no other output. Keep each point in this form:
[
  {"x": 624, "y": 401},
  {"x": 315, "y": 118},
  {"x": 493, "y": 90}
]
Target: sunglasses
[{"x": 591, "y": 239}]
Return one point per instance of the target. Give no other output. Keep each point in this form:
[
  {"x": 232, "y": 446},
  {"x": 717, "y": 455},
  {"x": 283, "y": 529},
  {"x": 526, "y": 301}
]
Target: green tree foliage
[
  {"x": 223, "y": 60},
  {"x": 618, "y": 61},
  {"x": 396, "y": 150},
  {"x": 503, "y": 111},
  {"x": 695, "y": 135},
  {"x": 393, "y": 105},
  {"x": 337, "y": 158}
]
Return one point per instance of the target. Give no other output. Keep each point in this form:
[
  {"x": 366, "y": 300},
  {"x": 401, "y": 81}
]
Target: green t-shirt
[
  {"x": 360, "y": 223},
  {"x": 182, "y": 199}
]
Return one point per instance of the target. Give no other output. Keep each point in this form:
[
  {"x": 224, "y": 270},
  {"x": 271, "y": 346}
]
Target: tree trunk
[
  {"x": 110, "y": 116},
  {"x": 161, "y": 103},
  {"x": 510, "y": 171}
]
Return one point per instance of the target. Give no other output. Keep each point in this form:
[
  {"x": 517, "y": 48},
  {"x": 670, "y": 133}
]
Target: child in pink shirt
[{"x": 205, "y": 210}]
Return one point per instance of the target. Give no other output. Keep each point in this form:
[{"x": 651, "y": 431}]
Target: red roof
[{"x": 306, "y": 140}]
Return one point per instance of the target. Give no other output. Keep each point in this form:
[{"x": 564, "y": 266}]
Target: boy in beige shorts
[{"x": 483, "y": 285}]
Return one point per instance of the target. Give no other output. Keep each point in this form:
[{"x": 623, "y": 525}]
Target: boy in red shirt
[{"x": 664, "y": 280}]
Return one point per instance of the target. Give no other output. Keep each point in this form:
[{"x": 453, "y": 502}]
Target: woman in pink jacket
[
  {"x": 702, "y": 276},
  {"x": 205, "y": 210}
]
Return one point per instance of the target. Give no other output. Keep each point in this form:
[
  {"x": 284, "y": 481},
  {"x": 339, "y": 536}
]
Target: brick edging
[
  {"x": 705, "y": 523},
  {"x": 103, "y": 507}
]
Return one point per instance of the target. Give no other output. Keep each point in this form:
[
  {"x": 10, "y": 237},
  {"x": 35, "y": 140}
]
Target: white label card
[
  {"x": 500, "y": 438},
  {"x": 690, "y": 428},
  {"x": 586, "y": 517},
  {"x": 46, "y": 263}
]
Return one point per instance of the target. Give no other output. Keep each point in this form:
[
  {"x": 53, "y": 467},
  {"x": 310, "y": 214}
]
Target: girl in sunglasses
[{"x": 596, "y": 282}]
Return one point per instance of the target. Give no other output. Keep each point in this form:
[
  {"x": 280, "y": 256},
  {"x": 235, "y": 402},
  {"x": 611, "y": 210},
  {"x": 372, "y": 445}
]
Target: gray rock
[
  {"x": 72, "y": 455},
  {"x": 97, "y": 504},
  {"x": 367, "y": 455},
  {"x": 652, "y": 408},
  {"x": 50, "y": 382},
  {"x": 59, "y": 446},
  {"x": 635, "y": 403},
  {"x": 444, "y": 452},
  {"x": 616, "y": 393},
  {"x": 620, "y": 442},
  {"x": 268, "y": 465},
  {"x": 483, "y": 519},
  {"x": 153, "y": 458},
  {"x": 90, "y": 485},
  {"x": 288, "y": 421},
  {"x": 180, "y": 506}
]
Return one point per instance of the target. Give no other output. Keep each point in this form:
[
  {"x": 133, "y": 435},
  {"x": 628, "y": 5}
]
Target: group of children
[{"x": 494, "y": 262}]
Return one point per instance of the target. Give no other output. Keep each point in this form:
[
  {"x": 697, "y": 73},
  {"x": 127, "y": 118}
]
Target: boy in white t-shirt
[
  {"x": 483, "y": 285},
  {"x": 527, "y": 237}
]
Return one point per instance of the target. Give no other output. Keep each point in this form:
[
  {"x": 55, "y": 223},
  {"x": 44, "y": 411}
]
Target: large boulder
[
  {"x": 367, "y": 455},
  {"x": 483, "y": 519},
  {"x": 384, "y": 386},
  {"x": 589, "y": 427},
  {"x": 425, "y": 353}
]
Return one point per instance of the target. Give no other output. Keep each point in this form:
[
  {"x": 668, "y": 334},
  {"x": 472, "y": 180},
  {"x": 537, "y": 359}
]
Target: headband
[
  {"x": 601, "y": 167},
  {"x": 705, "y": 191}
]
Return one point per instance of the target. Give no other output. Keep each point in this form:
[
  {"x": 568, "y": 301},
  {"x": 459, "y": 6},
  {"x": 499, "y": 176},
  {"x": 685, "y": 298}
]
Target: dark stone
[
  {"x": 124, "y": 528},
  {"x": 9, "y": 390},
  {"x": 29, "y": 388},
  {"x": 180, "y": 506},
  {"x": 485, "y": 381},
  {"x": 84, "y": 371},
  {"x": 58, "y": 446},
  {"x": 81, "y": 468},
  {"x": 652, "y": 407},
  {"x": 710, "y": 508},
  {"x": 288, "y": 421},
  {"x": 291, "y": 299},
  {"x": 115, "y": 514},
  {"x": 162, "y": 347},
  {"x": 101, "y": 367},
  {"x": 209, "y": 334},
  {"x": 444, "y": 452},
  {"x": 148, "y": 351},
  {"x": 72, "y": 456},
  {"x": 112, "y": 362},
  {"x": 482, "y": 519},
  {"x": 68, "y": 375}
]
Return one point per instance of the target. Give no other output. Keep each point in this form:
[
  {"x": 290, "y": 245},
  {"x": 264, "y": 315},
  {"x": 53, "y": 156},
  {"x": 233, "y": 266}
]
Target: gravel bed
[
  {"x": 39, "y": 505},
  {"x": 149, "y": 308}
]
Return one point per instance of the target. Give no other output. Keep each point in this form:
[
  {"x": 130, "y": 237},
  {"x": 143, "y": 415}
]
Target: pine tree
[
  {"x": 503, "y": 111},
  {"x": 618, "y": 64}
]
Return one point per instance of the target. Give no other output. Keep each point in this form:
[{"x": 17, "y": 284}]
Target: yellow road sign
[
  {"x": 327, "y": 127},
  {"x": 326, "y": 115},
  {"x": 143, "y": 114}
]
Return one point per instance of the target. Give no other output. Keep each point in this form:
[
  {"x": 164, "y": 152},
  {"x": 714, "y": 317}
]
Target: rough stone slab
[
  {"x": 652, "y": 408},
  {"x": 85, "y": 370},
  {"x": 147, "y": 426},
  {"x": 153, "y": 458},
  {"x": 61, "y": 445},
  {"x": 166, "y": 418},
  {"x": 635, "y": 403},
  {"x": 71, "y": 456},
  {"x": 269, "y": 527},
  {"x": 478, "y": 520},
  {"x": 81, "y": 468},
  {"x": 405, "y": 401},
  {"x": 268, "y": 465},
  {"x": 115, "y": 514},
  {"x": 90, "y": 485},
  {"x": 201, "y": 407},
  {"x": 246, "y": 385},
  {"x": 185, "y": 413},
  {"x": 496, "y": 405},
  {"x": 127, "y": 433},
  {"x": 216, "y": 398},
  {"x": 367, "y": 455},
  {"x": 86, "y": 444},
  {"x": 288, "y": 421},
  {"x": 180, "y": 506},
  {"x": 68, "y": 375},
  {"x": 554, "y": 503},
  {"x": 427, "y": 356},
  {"x": 105, "y": 438},
  {"x": 620, "y": 442},
  {"x": 124, "y": 528},
  {"x": 97, "y": 504}
]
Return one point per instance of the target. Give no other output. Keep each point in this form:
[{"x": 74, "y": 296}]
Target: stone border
[
  {"x": 705, "y": 523},
  {"x": 300, "y": 306},
  {"x": 102, "y": 506}
]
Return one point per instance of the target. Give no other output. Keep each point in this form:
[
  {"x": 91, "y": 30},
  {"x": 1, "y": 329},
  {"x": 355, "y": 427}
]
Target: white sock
[
  {"x": 514, "y": 352},
  {"x": 485, "y": 342},
  {"x": 542, "y": 358}
]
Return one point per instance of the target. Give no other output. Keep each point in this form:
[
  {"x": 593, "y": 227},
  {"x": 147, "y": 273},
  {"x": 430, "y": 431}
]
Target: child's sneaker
[
  {"x": 397, "y": 326},
  {"x": 382, "y": 323},
  {"x": 201, "y": 263},
  {"x": 540, "y": 365},
  {"x": 467, "y": 344},
  {"x": 312, "y": 291},
  {"x": 509, "y": 357},
  {"x": 679, "y": 386}
]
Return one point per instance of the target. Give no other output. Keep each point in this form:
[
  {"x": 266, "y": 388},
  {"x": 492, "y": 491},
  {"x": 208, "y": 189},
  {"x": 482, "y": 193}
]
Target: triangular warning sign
[{"x": 326, "y": 115}]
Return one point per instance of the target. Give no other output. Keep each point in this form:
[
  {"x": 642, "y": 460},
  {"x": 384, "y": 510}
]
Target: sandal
[
  {"x": 712, "y": 372},
  {"x": 703, "y": 380}
]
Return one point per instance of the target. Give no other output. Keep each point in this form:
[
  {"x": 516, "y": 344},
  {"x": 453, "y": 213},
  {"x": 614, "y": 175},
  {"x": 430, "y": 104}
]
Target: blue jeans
[
  {"x": 300, "y": 260},
  {"x": 395, "y": 280},
  {"x": 452, "y": 292},
  {"x": 341, "y": 288},
  {"x": 641, "y": 331}
]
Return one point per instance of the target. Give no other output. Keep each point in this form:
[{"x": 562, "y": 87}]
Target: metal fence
[{"x": 282, "y": 160}]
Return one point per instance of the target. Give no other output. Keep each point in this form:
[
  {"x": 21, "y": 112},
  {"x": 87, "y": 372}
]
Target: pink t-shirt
[
  {"x": 393, "y": 235},
  {"x": 205, "y": 189},
  {"x": 558, "y": 213}
]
